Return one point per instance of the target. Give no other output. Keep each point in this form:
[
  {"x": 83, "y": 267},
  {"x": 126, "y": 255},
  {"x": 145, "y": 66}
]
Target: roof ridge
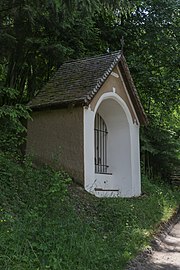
[
  {"x": 92, "y": 57},
  {"x": 78, "y": 83}
]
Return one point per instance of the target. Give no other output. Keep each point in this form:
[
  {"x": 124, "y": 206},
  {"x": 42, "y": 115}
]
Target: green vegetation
[
  {"x": 36, "y": 38},
  {"x": 44, "y": 223},
  {"x": 48, "y": 223}
]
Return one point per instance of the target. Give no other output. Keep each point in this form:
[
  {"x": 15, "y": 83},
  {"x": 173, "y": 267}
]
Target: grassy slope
[{"x": 45, "y": 226}]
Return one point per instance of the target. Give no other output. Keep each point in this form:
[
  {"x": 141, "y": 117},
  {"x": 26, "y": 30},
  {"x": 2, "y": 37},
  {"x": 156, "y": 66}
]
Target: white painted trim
[
  {"x": 130, "y": 183},
  {"x": 114, "y": 74},
  {"x": 117, "y": 98},
  {"x": 120, "y": 75}
]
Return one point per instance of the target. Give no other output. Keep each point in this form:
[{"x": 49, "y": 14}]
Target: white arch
[
  {"x": 92, "y": 180},
  {"x": 117, "y": 98}
]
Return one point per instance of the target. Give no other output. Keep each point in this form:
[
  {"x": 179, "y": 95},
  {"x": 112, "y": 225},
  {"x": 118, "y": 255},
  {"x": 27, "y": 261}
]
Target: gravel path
[{"x": 165, "y": 256}]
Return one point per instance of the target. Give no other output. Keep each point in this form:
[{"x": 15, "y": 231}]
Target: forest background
[
  {"x": 46, "y": 221},
  {"x": 36, "y": 37}
]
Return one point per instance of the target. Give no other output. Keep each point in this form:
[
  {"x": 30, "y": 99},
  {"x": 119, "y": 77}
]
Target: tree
[
  {"x": 37, "y": 36},
  {"x": 153, "y": 54}
]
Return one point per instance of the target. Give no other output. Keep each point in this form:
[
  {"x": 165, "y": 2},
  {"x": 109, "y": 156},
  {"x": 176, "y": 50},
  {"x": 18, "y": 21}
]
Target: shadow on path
[{"x": 166, "y": 256}]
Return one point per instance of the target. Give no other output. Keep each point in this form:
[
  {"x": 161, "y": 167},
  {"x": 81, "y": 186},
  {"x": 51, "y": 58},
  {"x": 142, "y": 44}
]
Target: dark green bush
[
  {"x": 12, "y": 121},
  {"x": 160, "y": 150}
]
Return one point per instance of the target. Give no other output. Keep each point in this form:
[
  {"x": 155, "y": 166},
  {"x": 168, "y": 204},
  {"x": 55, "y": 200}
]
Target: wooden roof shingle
[{"x": 76, "y": 82}]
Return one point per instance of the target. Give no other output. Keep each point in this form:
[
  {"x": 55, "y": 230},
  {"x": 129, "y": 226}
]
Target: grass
[{"x": 48, "y": 223}]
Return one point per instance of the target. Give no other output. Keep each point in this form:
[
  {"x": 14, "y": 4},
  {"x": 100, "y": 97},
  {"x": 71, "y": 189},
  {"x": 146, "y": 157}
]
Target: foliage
[
  {"x": 156, "y": 64},
  {"x": 26, "y": 208},
  {"x": 160, "y": 150},
  {"x": 153, "y": 54},
  {"x": 44, "y": 226},
  {"x": 151, "y": 35},
  {"x": 12, "y": 121},
  {"x": 36, "y": 38}
]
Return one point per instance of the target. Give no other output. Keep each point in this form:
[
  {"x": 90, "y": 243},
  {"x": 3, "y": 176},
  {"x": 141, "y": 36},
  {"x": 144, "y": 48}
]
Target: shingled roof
[{"x": 77, "y": 82}]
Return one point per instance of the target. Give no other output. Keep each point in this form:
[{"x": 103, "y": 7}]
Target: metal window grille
[{"x": 100, "y": 136}]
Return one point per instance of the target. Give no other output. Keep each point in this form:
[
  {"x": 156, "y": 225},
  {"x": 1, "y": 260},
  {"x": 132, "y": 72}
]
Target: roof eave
[
  {"x": 132, "y": 91},
  {"x": 90, "y": 96},
  {"x": 120, "y": 60},
  {"x": 57, "y": 105}
]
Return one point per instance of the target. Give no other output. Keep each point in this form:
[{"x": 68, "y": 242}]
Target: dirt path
[{"x": 166, "y": 256}]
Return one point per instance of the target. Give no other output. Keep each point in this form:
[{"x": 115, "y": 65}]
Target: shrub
[
  {"x": 160, "y": 150},
  {"x": 12, "y": 121}
]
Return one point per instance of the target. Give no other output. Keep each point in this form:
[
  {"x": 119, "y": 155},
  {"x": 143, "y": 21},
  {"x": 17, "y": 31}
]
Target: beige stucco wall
[
  {"x": 110, "y": 83},
  {"x": 55, "y": 137}
]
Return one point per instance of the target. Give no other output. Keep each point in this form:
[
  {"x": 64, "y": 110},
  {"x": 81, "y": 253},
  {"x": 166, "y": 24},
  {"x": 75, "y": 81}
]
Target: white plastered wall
[{"x": 123, "y": 179}]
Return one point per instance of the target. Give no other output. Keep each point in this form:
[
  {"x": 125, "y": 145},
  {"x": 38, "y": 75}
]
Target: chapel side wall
[{"x": 55, "y": 137}]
